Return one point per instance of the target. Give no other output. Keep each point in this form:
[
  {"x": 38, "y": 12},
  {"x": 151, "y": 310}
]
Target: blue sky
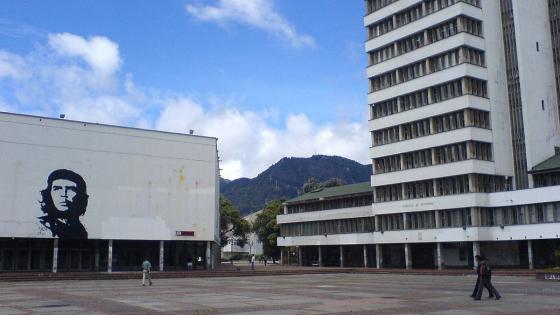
[{"x": 268, "y": 78}]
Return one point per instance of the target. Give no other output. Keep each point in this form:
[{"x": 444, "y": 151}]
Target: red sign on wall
[{"x": 184, "y": 233}]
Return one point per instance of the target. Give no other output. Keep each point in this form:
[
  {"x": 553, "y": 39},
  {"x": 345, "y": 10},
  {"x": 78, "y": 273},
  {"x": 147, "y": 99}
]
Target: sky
[{"x": 268, "y": 78}]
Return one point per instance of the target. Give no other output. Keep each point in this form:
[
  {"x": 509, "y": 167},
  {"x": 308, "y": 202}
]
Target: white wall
[
  {"x": 497, "y": 87},
  {"x": 536, "y": 78},
  {"x": 141, "y": 184}
]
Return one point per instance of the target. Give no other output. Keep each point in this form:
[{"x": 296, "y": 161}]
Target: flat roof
[
  {"x": 333, "y": 192},
  {"x": 105, "y": 125}
]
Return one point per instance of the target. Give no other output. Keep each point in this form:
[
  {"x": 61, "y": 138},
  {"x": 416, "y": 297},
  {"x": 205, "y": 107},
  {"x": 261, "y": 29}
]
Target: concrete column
[
  {"x": 96, "y": 257},
  {"x": 378, "y": 256},
  {"x": 110, "y": 256},
  {"x": 377, "y": 223},
  {"x": 285, "y": 209},
  {"x": 55, "y": 255},
  {"x": 208, "y": 255},
  {"x": 299, "y": 256},
  {"x": 426, "y": 37},
  {"x": 476, "y": 251},
  {"x": 405, "y": 221},
  {"x": 365, "y": 256},
  {"x": 469, "y": 150},
  {"x": 464, "y": 88},
  {"x": 460, "y": 26},
  {"x": 341, "y": 256},
  {"x": 438, "y": 218},
  {"x": 439, "y": 257},
  {"x": 399, "y": 104},
  {"x": 472, "y": 187},
  {"x": 475, "y": 216},
  {"x": 407, "y": 256},
  {"x": 281, "y": 256},
  {"x": 320, "y": 256},
  {"x": 161, "y": 255},
  {"x": 530, "y": 253}
]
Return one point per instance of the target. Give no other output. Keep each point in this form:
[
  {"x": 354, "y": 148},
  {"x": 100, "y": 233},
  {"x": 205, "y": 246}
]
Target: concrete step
[{"x": 276, "y": 271}]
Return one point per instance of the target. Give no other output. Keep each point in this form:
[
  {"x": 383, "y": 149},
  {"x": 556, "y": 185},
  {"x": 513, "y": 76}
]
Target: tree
[
  {"x": 333, "y": 182},
  {"x": 313, "y": 184},
  {"x": 266, "y": 228},
  {"x": 310, "y": 185},
  {"x": 232, "y": 226}
]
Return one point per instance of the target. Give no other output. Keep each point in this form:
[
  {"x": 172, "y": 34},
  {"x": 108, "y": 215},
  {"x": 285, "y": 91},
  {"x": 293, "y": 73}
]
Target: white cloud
[
  {"x": 257, "y": 13},
  {"x": 11, "y": 65},
  {"x": 49, "y": 81},
  {"x": 248, "y": 144},
  {"x": 99, "y": 52}
]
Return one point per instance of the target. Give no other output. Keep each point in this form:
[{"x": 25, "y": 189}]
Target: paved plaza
[{"x": 296, "y": 294}]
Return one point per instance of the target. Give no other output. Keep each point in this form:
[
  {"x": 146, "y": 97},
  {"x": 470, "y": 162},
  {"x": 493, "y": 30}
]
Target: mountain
[{"x": 285, "y": 178}]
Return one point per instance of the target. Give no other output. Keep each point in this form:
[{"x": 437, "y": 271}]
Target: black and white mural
[{"x": 63, "y": 202}]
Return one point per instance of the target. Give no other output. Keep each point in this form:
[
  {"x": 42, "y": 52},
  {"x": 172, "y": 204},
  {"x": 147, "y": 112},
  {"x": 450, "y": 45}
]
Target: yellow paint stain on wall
[{"x": 181, "y": 174}]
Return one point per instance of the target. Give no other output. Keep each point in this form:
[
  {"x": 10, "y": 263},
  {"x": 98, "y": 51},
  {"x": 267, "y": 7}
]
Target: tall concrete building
[
  {"x": 465, "y": 128},
  {"x": 465, "y": 136}
]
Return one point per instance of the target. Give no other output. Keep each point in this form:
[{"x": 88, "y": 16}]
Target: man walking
[
  {"x": 146, "y": 267},
  {"x": 473, "y": 295},
  {"x": 484, "y": 277},
  {"x": 253, "y": 263}
]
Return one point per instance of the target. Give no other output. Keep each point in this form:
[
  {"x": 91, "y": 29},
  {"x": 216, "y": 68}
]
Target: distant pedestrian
[
  {"x": 265, "y": 260},
  {"x": 146, "y": 268},
  {"x": 253, "y": 262},
  {"x": 485, "y": 276},
  {"x": 490, "y": 295}
]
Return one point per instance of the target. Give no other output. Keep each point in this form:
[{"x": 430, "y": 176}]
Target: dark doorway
[
  {"x": 353, "y": 255},
  {"x": 423, "y": 255},
  {"x": 393, "y": 256}
]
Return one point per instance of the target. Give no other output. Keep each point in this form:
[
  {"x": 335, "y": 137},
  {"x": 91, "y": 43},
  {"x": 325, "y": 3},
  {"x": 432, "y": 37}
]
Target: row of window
[
  {"x": 433, "y": 125},
  {"x": 426, "y": 37},
  {"x": 412, "y": 14},
  {"x": 444, "y": 186},
  {"x": 434, "y": 156},
  {"x": 525, "y": 214},
  {"x": 545, "y": 180},
  {"x": 348, "y": 202},
  {"x": 427, "y": 66},
  {"x": 448, "y": 218},
  {"x": 425, "y": 220},
  {"x": 430, "y": 95},
  {"x": 374, "y": 5},
  {"x": 341, "y": 226}
]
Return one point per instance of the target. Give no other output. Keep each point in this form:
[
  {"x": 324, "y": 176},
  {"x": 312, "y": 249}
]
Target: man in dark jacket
[
  {"x": 490, "y": 295},
  {"x": 484, "y": 276}
]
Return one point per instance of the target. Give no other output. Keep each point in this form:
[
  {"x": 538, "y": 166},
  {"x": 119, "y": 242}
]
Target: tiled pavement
[{"x": 295, "y": 294}]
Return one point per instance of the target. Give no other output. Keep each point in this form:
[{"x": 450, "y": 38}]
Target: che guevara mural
[{"x": 63, "y": 202}]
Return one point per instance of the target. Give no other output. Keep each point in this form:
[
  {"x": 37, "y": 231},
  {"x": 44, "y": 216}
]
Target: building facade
[
  {"x": 76, "y": 196},
  {"x": 465, "y": 132},
  {"x": 252, "y": 247}
]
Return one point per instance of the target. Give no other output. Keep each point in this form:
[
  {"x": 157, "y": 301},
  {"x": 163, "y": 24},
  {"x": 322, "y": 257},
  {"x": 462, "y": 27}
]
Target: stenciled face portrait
[
  {"x": 64, "y": 200},
  {"x": 63, "y": 193}
]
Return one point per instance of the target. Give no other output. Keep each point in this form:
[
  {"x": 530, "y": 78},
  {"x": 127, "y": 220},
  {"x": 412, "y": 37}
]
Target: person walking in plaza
[
  {"x": 490, "y": 295},
  {"x": 253, "y": 262},
  {"x": 484, "y": 279},
  {"x": 146, "y": 268}
]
